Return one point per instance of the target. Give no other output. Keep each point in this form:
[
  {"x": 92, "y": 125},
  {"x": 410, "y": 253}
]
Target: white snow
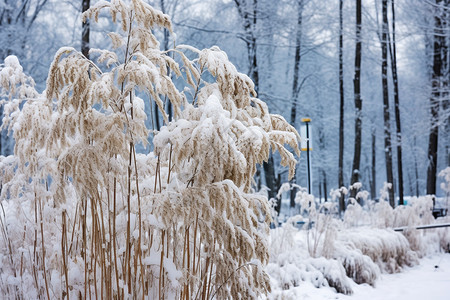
[{"x": 428, "y": 280}]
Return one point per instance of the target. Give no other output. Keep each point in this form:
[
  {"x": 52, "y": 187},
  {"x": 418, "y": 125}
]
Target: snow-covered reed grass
[
  {"x": 291, "y": 264},
  {"x": 85, "y": 216},
  {"x": 330, "y": 251}
]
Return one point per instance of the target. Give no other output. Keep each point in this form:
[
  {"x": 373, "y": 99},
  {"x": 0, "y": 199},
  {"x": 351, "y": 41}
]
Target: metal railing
[{"x": 422, "y": 227}]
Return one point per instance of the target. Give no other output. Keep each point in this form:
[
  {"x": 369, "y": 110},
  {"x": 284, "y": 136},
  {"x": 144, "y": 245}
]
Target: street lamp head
[{"x": 306, "y": 120}]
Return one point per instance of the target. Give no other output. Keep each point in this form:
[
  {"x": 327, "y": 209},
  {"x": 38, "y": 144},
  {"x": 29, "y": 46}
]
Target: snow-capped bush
[
  {"x": 358, "y": 266},
  {"x": 84, "y": 215},
  {"x": 291, "y": 264},
  {"x": 388, "y": 249},
  {"x": 328, "y": 252}
]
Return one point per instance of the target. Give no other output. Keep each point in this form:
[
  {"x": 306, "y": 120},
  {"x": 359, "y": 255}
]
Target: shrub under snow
[{"x": 328, "y": 252}]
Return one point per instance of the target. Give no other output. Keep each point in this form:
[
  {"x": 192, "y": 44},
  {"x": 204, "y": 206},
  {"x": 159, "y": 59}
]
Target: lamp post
[{"x": 307, "y": 121}]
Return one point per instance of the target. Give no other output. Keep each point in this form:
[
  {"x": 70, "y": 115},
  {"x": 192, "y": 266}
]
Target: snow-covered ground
[
  {"x": 428, "y": 280},
  {"x": 360, "y": 256}
]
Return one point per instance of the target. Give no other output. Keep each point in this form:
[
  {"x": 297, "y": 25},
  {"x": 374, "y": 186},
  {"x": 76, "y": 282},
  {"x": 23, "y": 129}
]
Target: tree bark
[
  {"x": 248, "y": 13},
  {"x": 373, "y": 183},
  {"x": 295, "y": 87},
  {"x": 85, "y": 30},
  {"x": 341, "y": 106},
  {"x": 445, "y": 91},
  {"x": 438, "y": 47},
  {"x": 393, "y": 56},
  {"x": 386, "y": 113},
  {"x": 416, "y": 169},
  {"x": 358, "y": 101}
]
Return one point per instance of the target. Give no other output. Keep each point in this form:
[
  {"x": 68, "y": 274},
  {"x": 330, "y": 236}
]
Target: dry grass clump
[
  {"x": 291, "y": 263},
  {"x": 328, "y": 251},
  {"x": 444, "y": 235},
  {"x": 84, "y": 215},
  {"x": 358, "y": 266},
  {"x": 388, "y": 249}
]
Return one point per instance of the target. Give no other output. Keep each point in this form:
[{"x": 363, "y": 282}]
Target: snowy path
[
  {"x": 417, "y": 283},
  {"x": 424, "y": 281}
]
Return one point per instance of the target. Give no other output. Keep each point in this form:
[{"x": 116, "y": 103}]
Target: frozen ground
[{"x": 429, "y": 280}]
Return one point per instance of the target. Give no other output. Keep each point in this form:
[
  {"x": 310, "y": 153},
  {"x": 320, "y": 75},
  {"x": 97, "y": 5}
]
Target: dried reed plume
[{"x": 84, "y": 215}]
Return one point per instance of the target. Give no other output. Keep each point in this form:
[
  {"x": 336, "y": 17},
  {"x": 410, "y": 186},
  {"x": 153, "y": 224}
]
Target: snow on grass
[
  {"x": 331, "y": 258},
  {"x": 428, "y": 280},
  {"x": 423, "y": 281}
]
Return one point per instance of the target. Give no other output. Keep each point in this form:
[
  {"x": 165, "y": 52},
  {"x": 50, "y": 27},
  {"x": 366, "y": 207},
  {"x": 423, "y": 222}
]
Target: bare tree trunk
[
  {"x": 322, "y": 170},
  {"x": 358, "y": 101},
  {"x": 295, "y": 86},
  {"x": 436, "y": 83},
  {"x": 416, "y": 170},
  {"x": 373, "y": 183},
  {"x": 269, "y": 172},
  {"x": 341, "y": 107},
  {"x": 165, "y": 47},
  {"x": 85, "y": 30},
  {"x": 445, "y": 92},
  {"x": 248, "y": 12},
  {"x": 387, "y": 121},
  {"x": 393, "y": 55},
  {"x": 325, "y": 190},
  {"x": 320, "y": 186}
]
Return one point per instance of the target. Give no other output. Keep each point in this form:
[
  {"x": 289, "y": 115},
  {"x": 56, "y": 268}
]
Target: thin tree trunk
[
  {"x": 322, "y": 171},
  {"x": 320, "y": 186},
  {"x": 295, "y": 86},
  {"x": 416, "y": 169},
  {"x": 325, "y": 190},
  {"x": 373, "y": 184},
  {"x": 85, "y": 30},
  {"x": 445, "y": 94},
  {"x": 386, "y": 114},
  {"x": 439, "y": 41},
  {"x": 358, "y": 101},
  {"x": 254, "y": 72},
  {"x": 393, "y": 55},
  {"x": 411, "y": 187},
  {"x": 341, "y": 106},
  {"x": 269, "y": 172},
  {"x": 165, "y": 48},
  {"x": 249, "y": 14}
]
